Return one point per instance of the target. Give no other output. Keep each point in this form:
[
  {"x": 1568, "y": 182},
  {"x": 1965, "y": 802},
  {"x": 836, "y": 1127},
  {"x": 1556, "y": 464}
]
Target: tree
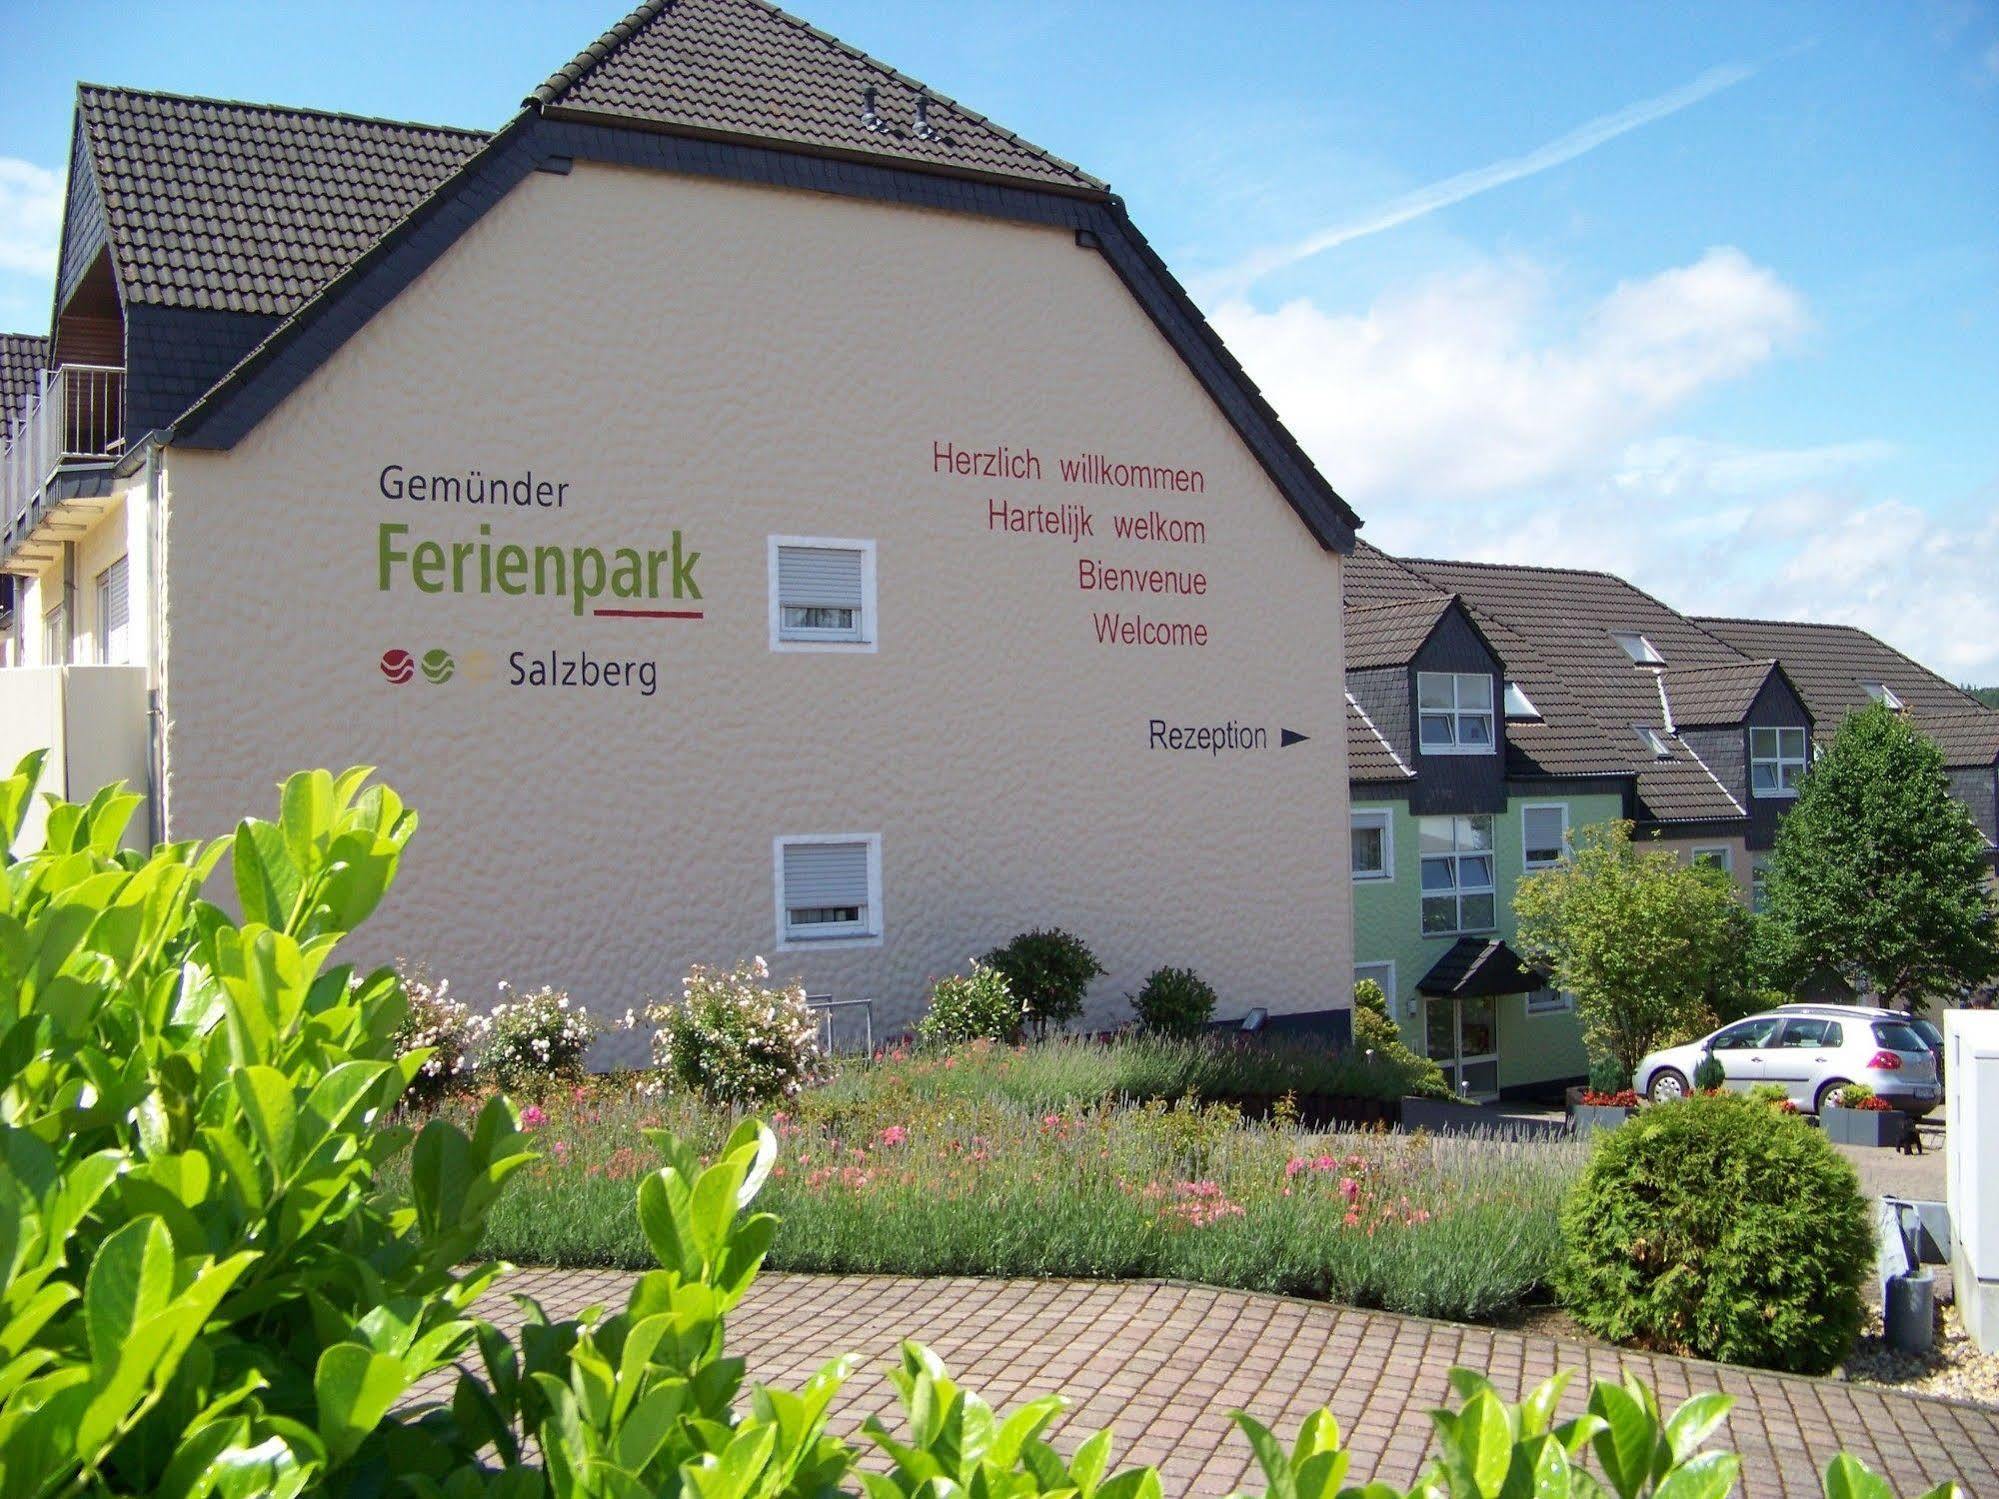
[
  {"x": 1651, "y": 948},
  {"x": 1879, "y": 875}
]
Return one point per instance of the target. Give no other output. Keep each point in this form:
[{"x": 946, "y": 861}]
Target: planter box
[
  {"x": 1590, "y": 1117},
  {"x": 1864, "y": 1126}
]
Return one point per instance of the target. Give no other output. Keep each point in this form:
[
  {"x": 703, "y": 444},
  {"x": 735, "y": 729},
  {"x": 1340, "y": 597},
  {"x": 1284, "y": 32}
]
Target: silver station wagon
[{"x": 1812, "y": 1050}]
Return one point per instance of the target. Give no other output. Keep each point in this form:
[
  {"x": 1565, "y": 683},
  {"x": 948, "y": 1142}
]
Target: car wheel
[
  {"x": 1821, "y": 1099},
  {"x": 1668, "y": 1084}
]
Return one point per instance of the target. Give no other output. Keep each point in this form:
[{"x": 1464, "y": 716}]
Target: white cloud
[
  {"x": 1462, "y": 387},
  {"x": 1455, "y": 189},
  {"x": 30, "y": 217}
]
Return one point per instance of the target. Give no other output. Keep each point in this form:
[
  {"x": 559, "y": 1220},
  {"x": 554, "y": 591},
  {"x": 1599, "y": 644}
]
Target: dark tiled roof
[
  {"x": 745, "y": 70},
  {"x": 1477, "y": 968},
  {"x": 250, "y": 207},
  {"x": 22, "y": 357},
  {"x": 1718, "y": 693},
  {"x": 1555, "y": 628},
  {"x": 1391, "y": 634},
  {"x": 1831, "y": 666},
  {"x": 1967, "y": 738},
  {"x": 1374, "y": 577},
  {"x": 1370, "y": 757}
]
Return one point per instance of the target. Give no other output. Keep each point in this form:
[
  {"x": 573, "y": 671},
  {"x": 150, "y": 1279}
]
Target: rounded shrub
[
  {"x": 1174, "y": 1002},
  {"x": 1050, "y": 973},
  {"x": 1375, "y": 1030},
  {"x": 445, "y": 1030},
  {"x": 535, "y": 1042},
  {"x": 1709, "y": 1074},
  {"x": 979, "y": 1006},
  {"x": 1722, "y": 1228}
]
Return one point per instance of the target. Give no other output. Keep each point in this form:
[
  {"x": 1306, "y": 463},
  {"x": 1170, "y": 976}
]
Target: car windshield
[{"x": 1897, "y": 1035}]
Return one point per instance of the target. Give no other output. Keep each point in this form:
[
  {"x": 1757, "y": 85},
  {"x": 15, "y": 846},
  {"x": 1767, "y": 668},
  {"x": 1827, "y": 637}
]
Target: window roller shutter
[
  {"x": 825, "y": 874},
  {"x": 819, "y": 577}
]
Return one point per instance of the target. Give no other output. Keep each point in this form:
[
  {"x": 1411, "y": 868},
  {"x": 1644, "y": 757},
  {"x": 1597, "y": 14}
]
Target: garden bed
[{"x": 909, "y": 1169}]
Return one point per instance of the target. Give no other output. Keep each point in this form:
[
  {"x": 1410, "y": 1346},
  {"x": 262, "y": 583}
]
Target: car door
[
  {"x": 1742, "y": 1048},
  {"x": 1801, "y": 1055}
]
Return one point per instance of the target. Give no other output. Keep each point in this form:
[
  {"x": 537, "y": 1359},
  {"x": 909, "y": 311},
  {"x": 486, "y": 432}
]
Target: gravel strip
[{"x": 1954, "y": 1368}]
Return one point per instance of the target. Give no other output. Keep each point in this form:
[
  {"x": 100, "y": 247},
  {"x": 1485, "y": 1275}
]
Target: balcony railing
[{"x": 76, "y": 413}]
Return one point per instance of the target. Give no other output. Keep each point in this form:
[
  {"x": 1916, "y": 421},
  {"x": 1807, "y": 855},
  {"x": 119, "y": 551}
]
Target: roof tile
[{"x": 744, "y": 69}]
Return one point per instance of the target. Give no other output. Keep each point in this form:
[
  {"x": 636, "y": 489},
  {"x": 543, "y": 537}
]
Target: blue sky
[{"x": 1708, "y": 295}]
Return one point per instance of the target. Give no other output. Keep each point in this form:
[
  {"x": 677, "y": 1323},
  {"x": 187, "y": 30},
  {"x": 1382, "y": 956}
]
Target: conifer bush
[
  {"x": 1174, "y": 1002},
  {"x": 1721, "y": 1228}
]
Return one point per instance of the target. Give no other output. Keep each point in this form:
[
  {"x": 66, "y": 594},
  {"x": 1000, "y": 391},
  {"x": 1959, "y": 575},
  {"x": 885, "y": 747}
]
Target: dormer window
[
  {"x": 1776, "y": 761},
  {"x": 1519, "y": 706},
  {"x": 1455, "y": 712},
  {"x": 1882, "y": 693},
  {"x": 1654, "y": 741},
  {"x": 1641, "y": 650}
]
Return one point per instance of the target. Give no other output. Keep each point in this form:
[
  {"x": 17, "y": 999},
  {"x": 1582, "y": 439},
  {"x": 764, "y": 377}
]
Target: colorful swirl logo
[
  {"x": 397, "y": 666},
  {"x": 438, "y": 665}
]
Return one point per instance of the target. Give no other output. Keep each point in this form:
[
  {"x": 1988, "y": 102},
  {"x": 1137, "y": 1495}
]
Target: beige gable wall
[{"x": 738, "y": 362}]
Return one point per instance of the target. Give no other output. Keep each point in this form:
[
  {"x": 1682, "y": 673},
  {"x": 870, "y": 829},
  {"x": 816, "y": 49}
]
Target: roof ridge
[
  {"x": 618, "y": 35},
  {"x": 1747, "y": 660},
  {"x": 1428, "y": 600},
  {"x": 287, "y": 109},
  {"x": 1796, "y": 624},
  {"x": 1525, "y": 567}
]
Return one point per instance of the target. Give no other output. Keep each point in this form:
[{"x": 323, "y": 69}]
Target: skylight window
[
  {"x": 1641, "y": 651},
  {"x": 1654, "y": 741},
  {"x": 1881, "y": 692},
  {"x": 1519, "y": 706}
]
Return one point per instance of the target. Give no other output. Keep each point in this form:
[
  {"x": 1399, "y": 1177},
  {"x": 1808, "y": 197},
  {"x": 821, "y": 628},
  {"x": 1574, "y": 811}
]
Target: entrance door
[{"x": 1463, "y": 1037}]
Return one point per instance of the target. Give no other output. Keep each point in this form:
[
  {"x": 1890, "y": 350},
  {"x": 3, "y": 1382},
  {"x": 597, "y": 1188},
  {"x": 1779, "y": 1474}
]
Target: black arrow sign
[{"x": 1288, "y": 737}]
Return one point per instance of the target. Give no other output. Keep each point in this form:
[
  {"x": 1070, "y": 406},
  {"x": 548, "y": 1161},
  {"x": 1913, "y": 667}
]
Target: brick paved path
[{"x": 1162, "y": 1366}]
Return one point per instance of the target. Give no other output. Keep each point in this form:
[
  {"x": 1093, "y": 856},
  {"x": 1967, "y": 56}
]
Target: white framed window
[
  {"x": 1454, "y": 710},
  {"x": 1881, "y": 692},
  {"x": 1519, "y": 706},
  {"x": 1641, "y": 650},
  {"x": 822, "y": 594},
  {"x": 1549, "y": 1002},
  {"x": 55, "y": 637},
  {"x": 828, "y": 889},
  {"x": 1384, "y": 975},
  {"x": 1720, "y": 855},
  {"x": 114, "y": 614},
  {"x": 1458, "y": 890},
  {"x": 1653, "y": 740},
  {"x": 1776, "y": 761},
  {"x": 1544, "y": 834},
  {"x": 1373, "y": 840},
  {"x": 1758, "y": 891}
]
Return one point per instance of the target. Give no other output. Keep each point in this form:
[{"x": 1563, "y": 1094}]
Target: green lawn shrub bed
[{"x": 915, "y": 1178}]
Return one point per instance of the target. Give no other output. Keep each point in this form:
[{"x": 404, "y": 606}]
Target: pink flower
[
  {"x": 532, "y": 1117},
  {"x": 895, "y": 1134},
  {"x": 1349, "y": 1188}
]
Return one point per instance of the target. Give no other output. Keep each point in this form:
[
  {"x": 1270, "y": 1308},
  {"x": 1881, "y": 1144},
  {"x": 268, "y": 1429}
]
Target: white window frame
[
  {"x": 867, "y": 932},
  {"x": 1560, "y": 1004},
  {"x": 1800, "y": 760},
  {"x": 1361, "y": 971},
  {"x": 109, "y": 652},
  {"x": 56, "y": 635},
  {"x": 1383, "y": 818},
  {"x": 1526, "y": 859},
  {"x": 1457, "y": 714},
  {"x": 1525, "y": 712},
  {"x": 865, "y": 638},
  {"x": 1638, "y": 646},
  {"x": 1881, "y": 692},
  {"x": 1721, "y": 853},
  {"x": 1758, "y": 897},
  {"x": 1459, "y": 890}
]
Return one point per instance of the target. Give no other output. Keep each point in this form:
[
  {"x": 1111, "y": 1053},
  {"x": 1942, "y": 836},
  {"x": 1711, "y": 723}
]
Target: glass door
[{"x": 1463, "y": 1038}]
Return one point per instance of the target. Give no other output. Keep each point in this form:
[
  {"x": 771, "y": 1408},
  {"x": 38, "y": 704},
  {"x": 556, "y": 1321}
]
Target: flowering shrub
[
  {"x": 1623, "y": 1098},
  {"x": 1860, "y": 1096},
  {"x": 979, "y": 1006},
  {"x": 534, "y": 1041},
  {"x": 439, "y": 1024},
  {"x": 1776, "y": 1095},
  {"x": 735, "y": 1040}
]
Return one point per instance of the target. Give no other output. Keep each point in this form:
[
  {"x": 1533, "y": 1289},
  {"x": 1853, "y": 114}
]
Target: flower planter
[
  {"x": 1876, "y": 1127},
  {"x": 1591, "y": 1117}
]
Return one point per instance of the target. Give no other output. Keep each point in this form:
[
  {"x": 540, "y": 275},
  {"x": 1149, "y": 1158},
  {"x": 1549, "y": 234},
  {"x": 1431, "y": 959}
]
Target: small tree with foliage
[
  {"x": 1050, "y": 973},
  {"x": 1375, "y": 1030},
  {"x": 1650, "y": 947},
  {"x": 1879, "y": 875},
  {"x": 1174, "y": 1002}
]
